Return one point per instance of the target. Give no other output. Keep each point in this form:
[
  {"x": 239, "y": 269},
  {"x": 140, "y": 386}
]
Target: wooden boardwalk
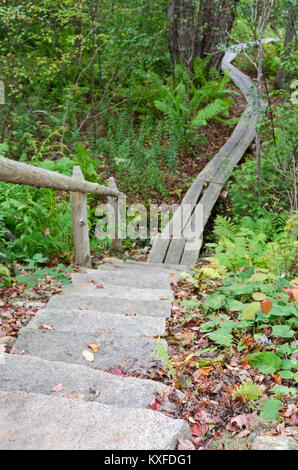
[{"x": 180, "y": 247}]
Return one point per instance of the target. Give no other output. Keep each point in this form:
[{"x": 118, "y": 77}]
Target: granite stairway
[{"x": 58, "y": 394}]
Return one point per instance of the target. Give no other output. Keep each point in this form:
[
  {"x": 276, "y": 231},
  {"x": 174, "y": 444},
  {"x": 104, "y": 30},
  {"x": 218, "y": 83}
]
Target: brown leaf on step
[
  {"x": 88, "y": 355},
  {"x": 14, "y": 350},
  {"x": 116, "y": 371},
  {"x": 57, "y": 388},
  {"x": 45, "y": 327},
  {"x": 185, "y": 444},
  {"x": 75, "y": 396},
  {"x": 130, "y": 314},
  {"x": 93, "y": 346},
  {"x": 99, "y": 286},
  {"x": 172, "y": 275},
  {"x": 154, "y": 405}
]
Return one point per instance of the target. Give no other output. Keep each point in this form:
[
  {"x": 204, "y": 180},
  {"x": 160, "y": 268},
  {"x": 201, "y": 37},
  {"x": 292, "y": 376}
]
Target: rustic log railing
[{"x": 23, "y": 173}]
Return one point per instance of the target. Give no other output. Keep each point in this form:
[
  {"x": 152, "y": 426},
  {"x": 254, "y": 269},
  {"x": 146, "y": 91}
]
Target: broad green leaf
[
  {"x": 284, "y": 349},
  {"x": 283, "y": 390},
  {"x": 288, "y": 364},
  {"x": 249, "y": 312},
  {"x": 258, "y": 296},
  {"x": 191, "y": 303},
  {"x": 258, "y": 277},
  {"x": 286, "y": 374},
  {"x": 221, "y": 337},
  {"x": 235, "y": 306},
  {"x": 265, "y": 361},
  {"x": 283, "y": 331},
  {"x": 215, "y": 301},
  {"x": 270, "y": 410}
]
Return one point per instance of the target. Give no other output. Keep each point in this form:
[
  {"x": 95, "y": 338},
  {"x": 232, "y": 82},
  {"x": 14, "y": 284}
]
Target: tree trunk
[
  {"x": 181, "y": 34},
  {"x": 198, "y": 32},
  {"x": 289, "y": 38}
]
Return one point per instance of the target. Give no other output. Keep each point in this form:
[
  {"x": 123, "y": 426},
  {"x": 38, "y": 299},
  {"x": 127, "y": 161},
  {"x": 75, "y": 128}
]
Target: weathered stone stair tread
[
  {"x": 39, "y": 422},
  {"x": 92, "y": 322},
  {"x": 130, "y": 353},
  {"x": 108, "y": 291},
  {"x": 153, "y": 308},
  {"x": 127, "y": 277},
  {"x": 34, "y": 375},
  {"x": 166, "y": 266}
]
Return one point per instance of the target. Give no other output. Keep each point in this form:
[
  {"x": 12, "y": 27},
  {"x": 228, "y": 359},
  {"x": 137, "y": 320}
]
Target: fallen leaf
[
  {"x": 93, "y": 346},
  {"x": 244, "y": 433},
  {"x": 57, "y": 388},
  {"x": 185, "y": 444},
  {"x": 199, "y": 429},
  {"x": 154, "y": 405},
  {"x": 240, "y": 421},
  {"x": 277, "y": 378},
  {"x": 46, "y": 327},
  {"x": 294, "y": 294},
  {"x": 88, "y": 355},
  {"x": 266, "y": 306},
  {"x": 205, "y": 371},
  {"x": 116, "y": 371},
  {"x": 75, "y": 396}
]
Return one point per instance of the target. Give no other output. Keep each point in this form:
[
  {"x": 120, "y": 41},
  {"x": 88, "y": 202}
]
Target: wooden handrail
[{"x": 23, "y": 173}]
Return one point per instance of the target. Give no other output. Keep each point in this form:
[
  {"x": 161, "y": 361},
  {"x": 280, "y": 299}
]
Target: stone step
[
  {"x": 112, "y": 291},
  {"x": 153, "y": 308},
  {"x": 99, "y": 322},
  {"x": 143, "y": 267},
  {"x": 34, "y": 375},
  {"x": 39, "y": 422},
  {"x": 131, "y": 353},
  {"x": 178, "y": 267},
  {"x": 128, "y": 278}
]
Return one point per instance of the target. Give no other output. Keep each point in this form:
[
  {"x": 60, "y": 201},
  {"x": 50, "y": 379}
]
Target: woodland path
[
  {"x": 55, "y": 395},
  {"x": 183, "y": 245}
]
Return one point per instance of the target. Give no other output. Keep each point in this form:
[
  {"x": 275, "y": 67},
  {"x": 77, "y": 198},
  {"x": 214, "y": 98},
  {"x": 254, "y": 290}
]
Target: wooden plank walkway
[{"x": 180, "y": 241}]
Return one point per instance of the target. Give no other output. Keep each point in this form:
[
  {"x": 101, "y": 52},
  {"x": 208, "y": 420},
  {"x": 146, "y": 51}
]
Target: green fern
[
  {"x": 162, "y": 354},
  {"x": 214, "y": 270},
  {"x": 218, "y": 106},
  {"x": 224, "y": 227},
  {"x": 248, "y": 391}
]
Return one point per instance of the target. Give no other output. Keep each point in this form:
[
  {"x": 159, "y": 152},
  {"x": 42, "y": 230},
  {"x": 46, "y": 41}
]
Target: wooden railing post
[
  {"x": 80, "y": 229},
  {"x": 114, "y": 202}
]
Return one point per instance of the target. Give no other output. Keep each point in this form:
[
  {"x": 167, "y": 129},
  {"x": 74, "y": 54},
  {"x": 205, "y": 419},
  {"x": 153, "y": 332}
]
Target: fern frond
[
  {"x": 209, "y": 112},
  {"x": 162, "y": 354},
  {"x": 224, "y": 227}
]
